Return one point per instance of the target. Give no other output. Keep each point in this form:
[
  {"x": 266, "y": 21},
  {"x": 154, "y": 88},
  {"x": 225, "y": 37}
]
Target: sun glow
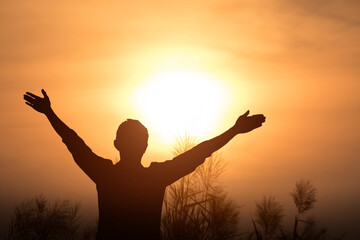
[{"x": 181, "y": 101}]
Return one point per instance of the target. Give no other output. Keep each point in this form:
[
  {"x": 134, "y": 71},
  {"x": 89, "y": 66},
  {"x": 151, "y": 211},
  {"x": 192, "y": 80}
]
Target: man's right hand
[
  {"x": 246, "y": 123},
  {"x": 38, "y": 103}
]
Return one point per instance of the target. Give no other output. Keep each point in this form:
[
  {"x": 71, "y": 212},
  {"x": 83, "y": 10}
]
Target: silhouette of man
[{"x": 130, "y": 196}]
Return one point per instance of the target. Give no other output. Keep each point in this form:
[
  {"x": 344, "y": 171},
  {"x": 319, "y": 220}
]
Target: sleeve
[
  {"x": 180, "y": 166},
  {"x": 93, "y": 165}
]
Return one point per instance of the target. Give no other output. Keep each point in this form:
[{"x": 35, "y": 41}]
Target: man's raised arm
[
  {"x": 88, "y": 161},
  {"x": 188, "y": 161},
  {"x": 244, "y": 124}
]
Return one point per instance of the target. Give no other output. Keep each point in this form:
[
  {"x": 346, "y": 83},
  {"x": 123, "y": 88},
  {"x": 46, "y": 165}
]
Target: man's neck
[{"x": 130, "y": 162}]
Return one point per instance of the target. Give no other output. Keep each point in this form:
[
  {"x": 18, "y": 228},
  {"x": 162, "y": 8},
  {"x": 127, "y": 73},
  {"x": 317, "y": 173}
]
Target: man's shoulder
[
  {"x": 105, "y": 163},
  {"x": 158, "y": 165},
  {"x": 108, "y": 162}
]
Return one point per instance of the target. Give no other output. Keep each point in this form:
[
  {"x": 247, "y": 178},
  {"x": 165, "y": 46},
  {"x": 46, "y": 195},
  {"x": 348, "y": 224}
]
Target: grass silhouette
[
  {"x": 36, "y": 219},
  {"x": 304, "y": 196},
  {"x": 196, "y": 206},
  {"x": 268, "y": 215}
]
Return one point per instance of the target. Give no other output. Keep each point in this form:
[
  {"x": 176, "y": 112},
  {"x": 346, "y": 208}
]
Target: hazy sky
[{"x": 297, "y": 62}]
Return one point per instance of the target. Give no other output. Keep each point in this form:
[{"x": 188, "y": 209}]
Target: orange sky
[{"x": 295, "y": 61}]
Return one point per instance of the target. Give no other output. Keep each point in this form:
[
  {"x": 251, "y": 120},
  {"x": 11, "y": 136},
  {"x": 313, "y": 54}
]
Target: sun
[{"x": 179, "y": 101}]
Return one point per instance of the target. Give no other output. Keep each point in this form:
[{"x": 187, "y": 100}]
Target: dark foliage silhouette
[
  {"x": 36, "y": 219},
  {"x": 304, "y": 196},
  {"x": 267, "y": 224},
  {"x": 268, "y": 215},
  {"x": 196, "y": 206}
]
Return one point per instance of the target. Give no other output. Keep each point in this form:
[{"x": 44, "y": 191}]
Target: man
[{"x": 129, "y": 195}]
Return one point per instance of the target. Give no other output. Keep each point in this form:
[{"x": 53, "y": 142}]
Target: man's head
[{"x": 131, "y": 139}]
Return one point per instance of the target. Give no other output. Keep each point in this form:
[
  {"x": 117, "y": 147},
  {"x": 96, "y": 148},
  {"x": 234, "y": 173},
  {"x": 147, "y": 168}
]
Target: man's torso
[{"x": 130, "y": 203}]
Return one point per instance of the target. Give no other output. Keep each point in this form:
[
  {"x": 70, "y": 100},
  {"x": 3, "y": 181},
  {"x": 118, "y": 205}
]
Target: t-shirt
[{"x": 130, "y": 200}]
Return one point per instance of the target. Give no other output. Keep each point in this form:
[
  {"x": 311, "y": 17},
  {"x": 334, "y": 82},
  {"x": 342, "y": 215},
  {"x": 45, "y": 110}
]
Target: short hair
[{"x": 132, "y": 130}]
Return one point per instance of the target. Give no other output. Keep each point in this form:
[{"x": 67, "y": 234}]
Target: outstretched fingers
[
  {"x": 256, "y": 120},
  {"x": 44, "y": 93},
  {"x": 29, "y": 104},
  {"x": 29, "y": 98},
  {"x": 40, "y": 104},
  {"x": 245, "y": 114},
  {"x": 259, "y": 118},
  {"x": 32, "y": 95}
]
